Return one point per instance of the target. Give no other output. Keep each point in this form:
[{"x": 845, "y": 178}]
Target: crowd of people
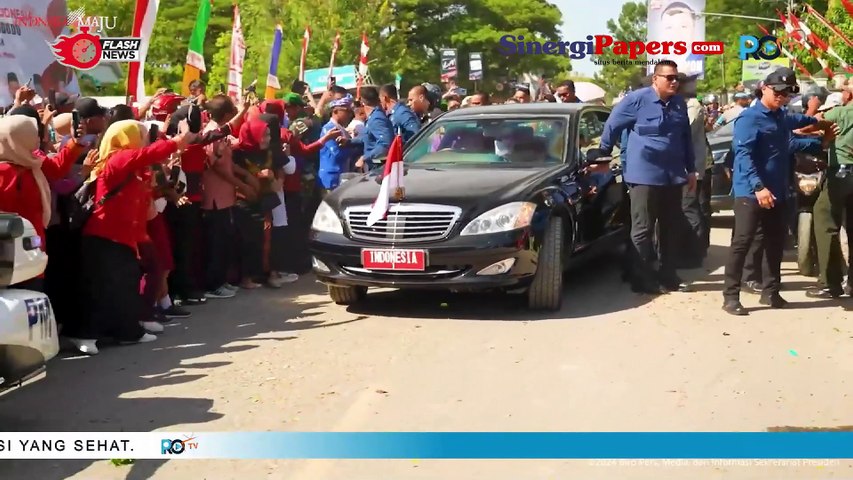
[{"x": 194, "y": 199}]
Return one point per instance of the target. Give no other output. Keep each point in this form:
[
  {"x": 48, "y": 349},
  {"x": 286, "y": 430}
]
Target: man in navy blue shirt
[
  {"x": 661, "y": 160},
  {"x": 761, "y": 181},
  {"x": 403, "y": 119},
  {"x": 378, "y": 132}
]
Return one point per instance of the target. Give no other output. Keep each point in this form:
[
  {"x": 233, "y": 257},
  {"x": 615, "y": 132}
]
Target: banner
[
  {"x": 24, "y": 51},
  {"x": 475, "y": 66},
  {"x": 678, "y": 21},
  {"x": 448, "y": 64},
  {"x": 272, "y": 77},
  {"x": 756, "y": 70},
  {"x": 143, "y": 26},
  {"x": 238, "y": 54},
  {"x": 318, "y": 80},
  {"x": 195, "y": 55}
]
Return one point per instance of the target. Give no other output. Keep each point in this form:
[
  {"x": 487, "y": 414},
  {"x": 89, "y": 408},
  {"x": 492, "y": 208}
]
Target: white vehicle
[{"x": 28, "y": 331}]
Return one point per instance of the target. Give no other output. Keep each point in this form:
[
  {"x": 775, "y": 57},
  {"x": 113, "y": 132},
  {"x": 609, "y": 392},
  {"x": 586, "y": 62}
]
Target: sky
[{"x": 593, "y": 21}]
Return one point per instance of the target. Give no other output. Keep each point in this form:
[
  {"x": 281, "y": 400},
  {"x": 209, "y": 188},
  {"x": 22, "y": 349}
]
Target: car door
[{"x": 601, "y": 208}]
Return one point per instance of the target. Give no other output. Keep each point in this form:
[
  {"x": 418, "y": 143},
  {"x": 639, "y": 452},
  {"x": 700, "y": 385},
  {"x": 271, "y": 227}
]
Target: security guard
[
  {"x": 834, "y": 199},
  {"x": 378, "y": 132},
  {"x": 761, "y": 180},
  {"x": 403, "y": 119}
]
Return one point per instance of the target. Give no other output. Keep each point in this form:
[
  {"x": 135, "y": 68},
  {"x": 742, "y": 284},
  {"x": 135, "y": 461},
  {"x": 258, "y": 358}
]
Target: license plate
[{"x": 394, "y": 259}]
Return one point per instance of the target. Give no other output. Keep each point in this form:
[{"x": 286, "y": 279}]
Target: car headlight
[
  {"x": 326, "y": 220},
  {"x": 505, "y": 218},
  {"x": 719, "y": 155}
]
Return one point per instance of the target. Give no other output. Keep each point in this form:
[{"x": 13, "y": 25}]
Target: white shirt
[{"x": 356, "y": 128}]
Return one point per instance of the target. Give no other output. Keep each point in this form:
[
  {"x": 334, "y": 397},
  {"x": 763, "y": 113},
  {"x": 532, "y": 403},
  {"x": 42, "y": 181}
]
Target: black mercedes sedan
[{"x": 496, "y": 198}]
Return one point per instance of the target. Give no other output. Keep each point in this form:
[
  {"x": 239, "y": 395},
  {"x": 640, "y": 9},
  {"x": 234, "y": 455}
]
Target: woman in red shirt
[
  {"x": 25, "y": 173},
  {"x": 111, "y": 273}
]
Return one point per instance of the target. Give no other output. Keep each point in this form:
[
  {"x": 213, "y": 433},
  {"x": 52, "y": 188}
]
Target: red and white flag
[
  {"x": 238, "y": 54},
  {"x": 336, "y": 45},
  {"x": 143, "y": 25},
  {"x": 392, "y": 183},
  {"x": 848, "y": 5},
  {"x": 792, "y": 27},
  {"x": 306, "y": 39},
  {"x": 362, "y": 64},
  {"x": 826, "y": 23}
]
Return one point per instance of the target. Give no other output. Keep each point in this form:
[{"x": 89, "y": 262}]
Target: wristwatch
[{"x": 758, "y": 187}]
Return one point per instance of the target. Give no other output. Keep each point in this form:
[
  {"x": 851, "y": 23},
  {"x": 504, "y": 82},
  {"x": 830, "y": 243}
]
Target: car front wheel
[
  {"x": 546, "y": 291},
  {"x": 347, "y": 295}
]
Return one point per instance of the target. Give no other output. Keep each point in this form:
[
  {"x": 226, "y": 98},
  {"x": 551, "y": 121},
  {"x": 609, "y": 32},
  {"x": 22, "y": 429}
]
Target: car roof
[{"x": 520, "y": 109}]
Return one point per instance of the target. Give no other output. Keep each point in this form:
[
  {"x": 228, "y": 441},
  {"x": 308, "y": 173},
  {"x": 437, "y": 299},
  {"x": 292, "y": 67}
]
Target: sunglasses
[
  {"x": 784, "y": 90},
  {"x": 669, "y": 78}
]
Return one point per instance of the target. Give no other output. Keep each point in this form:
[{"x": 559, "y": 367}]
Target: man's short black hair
[
  {"x": 120, "y": 112},
  {"x": 390, "y": 90},
  {"x": 665, "y": 63},
  {"x": 421, "y": 90},
  {"x": 339, "y": 89},
  {"x": 487, "y": 99},
  {"x": 568, "y": 84},
  {"x": 370, "y": 96},
  {"x": 220, "y": 107}
]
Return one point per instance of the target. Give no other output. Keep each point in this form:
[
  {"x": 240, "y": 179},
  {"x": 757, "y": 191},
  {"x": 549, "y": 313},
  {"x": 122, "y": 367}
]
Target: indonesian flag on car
[{"x": 392, "y": 183}]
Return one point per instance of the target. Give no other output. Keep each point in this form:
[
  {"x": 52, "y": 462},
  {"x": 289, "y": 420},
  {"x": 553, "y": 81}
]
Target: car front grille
[{"x": 404, "y": 223}]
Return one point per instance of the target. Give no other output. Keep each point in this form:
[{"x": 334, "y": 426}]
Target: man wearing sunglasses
[
  {"x": 761, "y": 181},
  {"x": 660, "y": 161}
]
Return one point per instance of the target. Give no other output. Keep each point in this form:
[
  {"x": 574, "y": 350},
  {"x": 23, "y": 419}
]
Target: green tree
[
  {"x": 629, "y": 27},
  {"x": 835, "y": 13}
]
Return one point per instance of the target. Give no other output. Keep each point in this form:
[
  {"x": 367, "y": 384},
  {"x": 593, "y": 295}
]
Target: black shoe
[
  {"x": 773, "y": 301},
  {"x": 176, "y": 312},
  {"x": 648, "y": 289},
  {"x": 752, "y": 287},
  {"x": 824, "y": 293},
  {"x": 733, "y": 307},
  {"x": 159, "y": 317}
]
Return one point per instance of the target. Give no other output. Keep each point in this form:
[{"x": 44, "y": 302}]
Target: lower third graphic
[{"x": 177, "y": 446}]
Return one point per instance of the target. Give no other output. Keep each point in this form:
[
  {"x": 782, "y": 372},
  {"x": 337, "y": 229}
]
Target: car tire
[
  {"x": 546, "y": 291},
  {"x": 806, "y": 254},
  {"x": 347, "y": 295}
]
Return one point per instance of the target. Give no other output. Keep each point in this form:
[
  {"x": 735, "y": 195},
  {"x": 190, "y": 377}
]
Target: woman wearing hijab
[
  {"x": 25, "y": 173},
  {"x": 112, "y": 275},
  {"x": 255, "y": 164}
]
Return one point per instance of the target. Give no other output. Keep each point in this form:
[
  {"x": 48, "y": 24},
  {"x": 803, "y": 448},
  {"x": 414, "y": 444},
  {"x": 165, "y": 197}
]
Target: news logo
[
  {"x": 764, "y": 48},
  {"x": 177, "y": 446},
  {"x": 84, "y": 50}
]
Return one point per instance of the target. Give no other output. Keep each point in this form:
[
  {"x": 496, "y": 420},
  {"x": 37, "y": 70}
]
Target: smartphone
[
  {"x": 128, "y": 100},
  {"x": 194, "y": 118},
  {"x": 299, "y": 87},
  {"x": 30, "y": 83},
  {"x": 75, "y": 123},
  {"x": 153, "y": 133},
  {"x": 332, "y": 82},
  {"x": 51, "y": 98}
]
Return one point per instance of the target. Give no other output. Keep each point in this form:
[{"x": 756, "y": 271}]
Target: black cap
[
  {"x": 782, "y": 76},
  {"x": 63, "y": 99},
  {"x": 88, "y": 107}
]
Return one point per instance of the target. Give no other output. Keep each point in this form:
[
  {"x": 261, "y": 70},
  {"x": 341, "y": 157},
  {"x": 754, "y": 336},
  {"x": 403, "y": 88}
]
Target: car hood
[{"x": 462, "y": 187}]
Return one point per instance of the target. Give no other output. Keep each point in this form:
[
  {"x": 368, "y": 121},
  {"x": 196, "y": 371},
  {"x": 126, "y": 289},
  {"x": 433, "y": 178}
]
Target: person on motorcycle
[{"x": 835, "y": 198}]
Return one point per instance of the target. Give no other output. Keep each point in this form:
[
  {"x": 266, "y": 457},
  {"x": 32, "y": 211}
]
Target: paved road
[{"x": 611, "y": 360}]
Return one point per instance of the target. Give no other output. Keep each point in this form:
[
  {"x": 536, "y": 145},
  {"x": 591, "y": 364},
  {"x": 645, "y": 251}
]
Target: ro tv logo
[
  {"x": 764, "y": 48},
  {"x": 177, "y": 446}
]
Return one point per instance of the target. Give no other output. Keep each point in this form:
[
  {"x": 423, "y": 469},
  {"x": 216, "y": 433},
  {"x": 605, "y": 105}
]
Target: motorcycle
[
  {"x": 28, "y": 332},
  {"x": 810, "y": 174}
]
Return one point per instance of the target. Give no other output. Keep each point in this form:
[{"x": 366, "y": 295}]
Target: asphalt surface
[{"x": 610, "y": 360}]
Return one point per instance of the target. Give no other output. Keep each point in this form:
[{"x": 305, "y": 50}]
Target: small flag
[
  {"x": 362, "y": 64},
  {"x": 306, "y": 39},
  {"x": 336, "y": 45},
  {"x": 397, "y": 81},
  {"x": 392, "y": 183}
]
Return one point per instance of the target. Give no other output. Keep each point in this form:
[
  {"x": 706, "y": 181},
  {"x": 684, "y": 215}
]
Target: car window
[
  {"x": 726, "y": 130},
  {"x": 590, "y": 128},
  {"x": 509, "y": 142}
]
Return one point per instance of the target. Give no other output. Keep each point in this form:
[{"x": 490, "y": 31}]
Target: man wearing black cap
[
  {"x": 65, "y": 102},
  {"x": 92, "y": 114},
  {"x": 761, "y": 178}
]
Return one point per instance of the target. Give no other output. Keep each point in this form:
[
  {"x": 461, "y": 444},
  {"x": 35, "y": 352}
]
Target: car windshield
[{"x": 511, "y": 142}]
